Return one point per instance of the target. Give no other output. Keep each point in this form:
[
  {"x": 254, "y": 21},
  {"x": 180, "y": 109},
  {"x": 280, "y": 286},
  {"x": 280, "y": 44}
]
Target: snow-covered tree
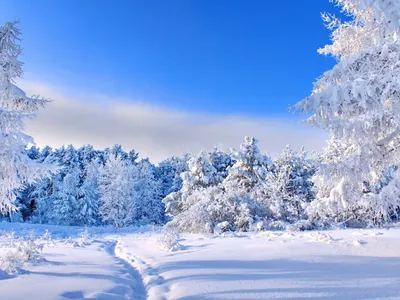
[
  {"x": 116, "y": 151},
  {"x": 150, "y": 209},
  {"x": 118, "y": 202},
  {"x": 16, "y": 168},
  {"x": 221, "y": 161},
  {"x": 289, "y": 186},
  {"x": 66, "y": 188},
  {"x": 358, "y": 102},
  {"x": 207, "y": 199},
  {"x": 201, "y": 174},
  {"x": 88, "y": 204},
  {"x": 169, "y": 171},
  {"x": 244, "y": 186},
  {"x": 64, "y": 210},
  {"x": 250, "y": 169}
]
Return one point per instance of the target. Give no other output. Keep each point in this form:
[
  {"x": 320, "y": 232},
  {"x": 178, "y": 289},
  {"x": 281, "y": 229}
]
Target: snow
[
  {"x": 69, "y": 271},
  {"x": 130, "y": 264},
  {"x": 271, "y": 265}
]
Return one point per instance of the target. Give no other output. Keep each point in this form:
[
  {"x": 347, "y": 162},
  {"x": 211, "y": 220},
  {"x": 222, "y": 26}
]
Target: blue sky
[
  {"x": 254, "y": 56},
  {"x": 215, "y": 57}
]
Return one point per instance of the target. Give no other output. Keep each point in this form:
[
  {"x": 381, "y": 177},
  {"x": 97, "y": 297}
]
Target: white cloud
[{"x": 154, "y": 131}]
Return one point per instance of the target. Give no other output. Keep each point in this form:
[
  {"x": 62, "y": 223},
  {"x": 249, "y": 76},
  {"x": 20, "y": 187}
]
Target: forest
[{"x": 355, "y": 182}]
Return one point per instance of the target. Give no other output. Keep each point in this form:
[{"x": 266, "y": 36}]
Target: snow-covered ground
[{"x": 340, "y": 264}]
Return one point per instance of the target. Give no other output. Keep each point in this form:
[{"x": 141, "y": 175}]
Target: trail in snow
[
  {"x": 154, "y": 283},
  {"x": 140, "y": 292},
  {"x": 90, "y": 272}
]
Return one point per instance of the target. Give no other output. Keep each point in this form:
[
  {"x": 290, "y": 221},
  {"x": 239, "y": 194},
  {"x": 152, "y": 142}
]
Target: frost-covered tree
[
  {"x": 201, "y": 174},
  {"x": 16, "y": 168},
  {"x": 118, "y": 204},
  {"x": 169, "y": 171},
  {"x": 289, "y": 187},
  {"x": 244, "y": 186},
  {"x": 150, "y": 209},
  {"x": 66, "y": 188},
  {"x": 250, "y": 169},
  {"x": 65, "y": 204},
  {"x": 221, "y": 161},
  {"x": 88, "y": 204},
  {"x": 207, "y": 199},
  {"x": 41, "y": 199},
  {"x": 358, "y": 102},
  {"x": 116, "y": 151}
]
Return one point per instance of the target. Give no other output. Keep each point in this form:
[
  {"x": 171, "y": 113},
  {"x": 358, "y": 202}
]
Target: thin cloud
[{"x": 154, "y": 131}]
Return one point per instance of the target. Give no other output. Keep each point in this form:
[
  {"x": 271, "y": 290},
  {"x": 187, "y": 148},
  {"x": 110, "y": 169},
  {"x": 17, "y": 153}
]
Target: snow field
[
  {"x": 131, "y": 264},
  {"x": 342, "y": 264}
]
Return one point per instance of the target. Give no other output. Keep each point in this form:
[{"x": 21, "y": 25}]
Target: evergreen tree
[
  {"x": 148, "y": 194},
  {"x": 200, "y": 174},
  {"x": 221, "y": 161},
  {"x": 117, "y": 195},
  {"x": 168, "y": 173},
  {"x": 16, "y": 168},
  {"x": 289, "y": 186},
  {"x": 250, "y": 169},
  {"x": 88, "y": 204},
  {"x": 358, "y": 103}
]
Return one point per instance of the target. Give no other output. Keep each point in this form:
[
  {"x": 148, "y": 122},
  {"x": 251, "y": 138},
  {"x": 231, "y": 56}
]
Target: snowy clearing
[
  {"x": 70, "y": 271},
  {"x": 340, "y": 264}
]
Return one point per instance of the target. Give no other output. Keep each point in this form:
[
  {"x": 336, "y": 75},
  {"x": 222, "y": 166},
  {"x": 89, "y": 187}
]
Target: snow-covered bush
[
  {"x": 169, "y": 238},
  {"x": 275, "y": 225},
  {"x": 84, "y": 238},
  {"x": 300, "y": 225},
  {"x": 19, "y": 251},
  {"x": 48, "y": 239},
  {"x": 221, "y": 227}
]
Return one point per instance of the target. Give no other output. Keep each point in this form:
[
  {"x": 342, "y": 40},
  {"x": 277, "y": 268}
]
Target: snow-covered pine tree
[
  {"x": 86, "y": 155},
  {"x": 117, "y": 196},
  {"x": 244, "y": 186},
  {"x": 44, "y": 190},
  {"x": 289, "y": 187},
  {"x": 116, "y": 151},
  {"x": 221, "y": 161},
  {"x": 169, "y": 171},
  {"x": 150, "y": 209},
  {"x": 44, "y": 153},
  {"x": 200, "y": 175},
  {"x": 66, "y": 188},
  {"x": 358, "y": 102},
  {"x": 16, "y": 168},
  {"x": 206, "y": 200},
  {"x": 250, "y": 168},
  {"x": 41, "y": 199},
  {"x": 88, "y": 204}
]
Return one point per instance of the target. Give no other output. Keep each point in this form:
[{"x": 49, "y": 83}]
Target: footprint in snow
[{"x": 359, "y": 242}]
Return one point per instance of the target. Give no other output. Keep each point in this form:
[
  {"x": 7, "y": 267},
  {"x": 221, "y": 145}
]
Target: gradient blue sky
[
  {"x": 195, "y": 73},
  {"x": 254, "y": 56}
]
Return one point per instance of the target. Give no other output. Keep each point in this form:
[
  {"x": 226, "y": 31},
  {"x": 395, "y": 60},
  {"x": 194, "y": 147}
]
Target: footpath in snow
[{"x": 74, "y": 272}]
